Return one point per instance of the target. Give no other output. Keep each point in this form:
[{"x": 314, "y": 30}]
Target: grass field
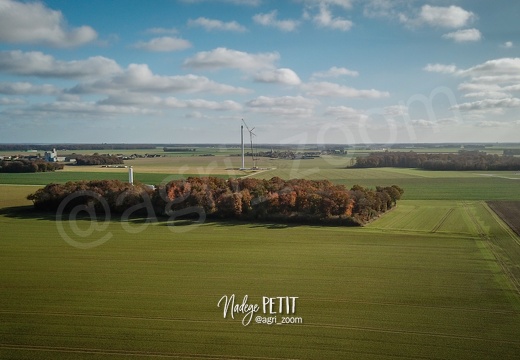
[{"x": 435, "y": 278}]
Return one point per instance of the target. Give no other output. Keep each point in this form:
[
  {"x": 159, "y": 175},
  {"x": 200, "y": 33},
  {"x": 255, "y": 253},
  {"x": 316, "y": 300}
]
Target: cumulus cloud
[
  {"x": 212, "y": 24},
  {"x": 466, "y": 35},
  {"x": 334, "y": 72},
  {"x": 489, "y": 104},
  {"x": 423, "y": 123},
  {"x": 139, "y": 78},
  {"x": 495, "y": 71},
  {"x": 66, "y": 108},
  {"x": 328, "y": 89},
  {"x": 35, "y": 63},
  {"x": 447, "y": 17},
  {"x": 345, "y": 4},
  {"x": 325, "y": 19},
  {"x": 34, "y": 23},
  {"x": 395, "y": 111},
  {"x": 381, "y": 8},
  {"x": 25, "y": 88},
  {"x": 162, "y": 31},
  {"x": 508, "y": 45},
  {"x": 271, "y": 19},
  {"x": 163, "y": 44},
  {"x": 490, "y": 124},
  {"x": 129, "y": 99},
  {"x": 440, "y": 68},
  {"x": 221, "y": 58},
  {"x": 278, "y": 76},
  {"x": 234, "y": 2},
  {"x": 346, "y": 113},
  {"x": 283, "y": 106},
  {"x": 10, "y": 101}
]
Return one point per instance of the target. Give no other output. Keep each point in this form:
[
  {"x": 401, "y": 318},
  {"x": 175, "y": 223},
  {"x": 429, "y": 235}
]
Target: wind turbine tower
[
  {"x": 251, "y": 134},
  {"x": 242, "y": 143}
]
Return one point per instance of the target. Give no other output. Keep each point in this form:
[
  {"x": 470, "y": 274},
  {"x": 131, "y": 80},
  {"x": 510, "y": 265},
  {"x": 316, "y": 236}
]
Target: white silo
[{"x": 131, "y": 175}]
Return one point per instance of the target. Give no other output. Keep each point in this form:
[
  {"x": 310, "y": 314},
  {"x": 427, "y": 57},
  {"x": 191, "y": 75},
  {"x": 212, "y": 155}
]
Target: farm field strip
[
  {"x": 364, "y": 293},
  {"x": 431, "y": 279}
]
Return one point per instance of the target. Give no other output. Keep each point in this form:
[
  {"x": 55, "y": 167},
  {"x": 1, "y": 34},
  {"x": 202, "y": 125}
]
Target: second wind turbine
[{"x": 251, "y": 134}]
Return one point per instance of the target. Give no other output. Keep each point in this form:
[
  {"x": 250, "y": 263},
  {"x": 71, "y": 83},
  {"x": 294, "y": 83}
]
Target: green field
[{"x": 435, "y": 278}]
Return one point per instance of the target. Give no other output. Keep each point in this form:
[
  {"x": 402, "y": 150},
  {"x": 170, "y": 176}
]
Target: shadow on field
[{"x": 26, "y": 212}]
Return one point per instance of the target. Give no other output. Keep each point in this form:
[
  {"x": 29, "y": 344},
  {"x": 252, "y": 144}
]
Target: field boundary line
[
  {"x": 256, "y": 173},
  {"x": 503, "y": 223},
  {"x": 75, "y": 350},
  {"x": 491, "y": 246},
  {"x": 410, "y": 332},
  {"x": 20, "y": 185}
]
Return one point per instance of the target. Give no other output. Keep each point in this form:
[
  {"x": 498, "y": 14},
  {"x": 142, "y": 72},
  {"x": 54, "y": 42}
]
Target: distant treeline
[
  {"x": 168, "y": 149},
  {"x": 47, "y": 147},
  {"x": 98, "y": 160},
  {"x": 28, "y": 166},
  {"x": 296, "y": 200},
  {"x": 464, "y": 160}
]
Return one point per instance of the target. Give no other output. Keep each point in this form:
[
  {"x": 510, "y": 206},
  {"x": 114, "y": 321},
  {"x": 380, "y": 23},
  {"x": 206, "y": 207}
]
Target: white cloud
[
  {"x": 328, "y": 89},
  {"x": 129, "y": 99},
  {"x": 162, "y": 31},
  {"x": 163, "y": 44},
  {"x": 278, "y": 76},
  {"x": 490, "y": 124},
  {"x": 464, "y": 35},
  {"x": 483, "y": 90},
  {"x": 325, "y": 19},
  {"x": 212, "y": 24},
  {"x": 447, "y": 17},
  {"x": 489, "y": 104},
  {"x": 35, "y": 63},
  {"x": 440, "y": 68},
  {"x": 495, "y": 71},
  {"x": 270, "y": 19},
  {"x": 234, "y": 2},
  {"x": 222, "y": 58},
  {"x": 283, "y": 106},
  {"x": 334, "y": 72},
  {"x": 508, "y": 45},
  {"x": 10, "y": 101},
  {"x": 66, "y": 108},
  {"x": 346, "y": 113},
  {"x": 139, "y": 78},
  {"x": 25, "y": 88},
  {"x": 424, "y": 123},
  {"x": 345, "y": 4},
  {"x": 34, "y": 23},
  {"x": 395, "y": 111},
  {"x": 380, "y": 8}
]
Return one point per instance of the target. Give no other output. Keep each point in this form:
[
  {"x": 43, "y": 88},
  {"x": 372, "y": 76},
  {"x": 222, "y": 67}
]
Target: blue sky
[{"x": 299, "y": 71}]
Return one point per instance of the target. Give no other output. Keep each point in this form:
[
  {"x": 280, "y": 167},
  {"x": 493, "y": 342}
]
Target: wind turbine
[{"x": 251, "y": 134}]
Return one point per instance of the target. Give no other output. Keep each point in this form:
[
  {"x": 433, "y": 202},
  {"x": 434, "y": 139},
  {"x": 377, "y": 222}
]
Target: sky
[{"x": 297, "y": 71}]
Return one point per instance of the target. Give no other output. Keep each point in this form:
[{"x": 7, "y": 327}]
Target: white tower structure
[{"x": 131, "y": 175}]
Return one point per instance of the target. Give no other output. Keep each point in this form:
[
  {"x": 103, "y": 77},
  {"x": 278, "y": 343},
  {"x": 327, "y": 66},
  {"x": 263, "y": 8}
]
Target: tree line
[
  {"x": 464, "y": 160},
  {"x": 98, "y": 160},
  {"x": 297, "y": 200},
  {"x": 28, "y": 166}
]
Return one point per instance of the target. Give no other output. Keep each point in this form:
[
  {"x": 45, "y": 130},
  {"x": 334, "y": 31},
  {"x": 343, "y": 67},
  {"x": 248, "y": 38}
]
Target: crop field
[
  {"x": 509, "y": 211},
  {"x": 438, "y": 277}
]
